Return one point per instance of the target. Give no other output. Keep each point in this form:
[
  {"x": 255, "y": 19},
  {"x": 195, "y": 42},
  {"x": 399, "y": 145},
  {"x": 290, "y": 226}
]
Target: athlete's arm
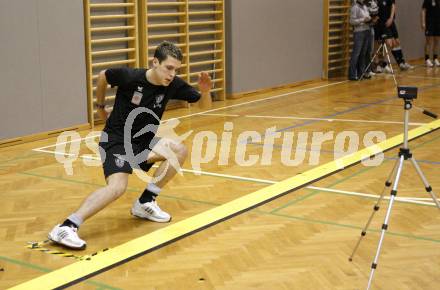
[
  {"x": 101, "y": 88},
  {"x": 205, "y": 84}
]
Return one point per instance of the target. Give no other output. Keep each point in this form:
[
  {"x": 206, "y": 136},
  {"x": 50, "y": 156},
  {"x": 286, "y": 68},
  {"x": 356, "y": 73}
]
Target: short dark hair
[{"x": 165, "y": 49}]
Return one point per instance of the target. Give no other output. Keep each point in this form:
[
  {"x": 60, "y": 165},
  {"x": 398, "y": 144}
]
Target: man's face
[{"x": 166, "y": 70}]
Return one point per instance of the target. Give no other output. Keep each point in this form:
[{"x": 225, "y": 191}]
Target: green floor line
[
  {"x": 424, "y": 143},
  {"x": 25, "y": 264},
  {"x": 355, "y": 227},
  {"x": 132, "y": 189},
  {"x": 46, "y": 270},
  {"x": 315, "y": 191},
  {"x": 286, "y": 216},
  {"x": 294, "y": 201},
  {"x": 129, "y": 189},
  {"x": 215, "y": 204},
  {"x": 373, "y": 198},
  {"x": 299, "y": 199}
]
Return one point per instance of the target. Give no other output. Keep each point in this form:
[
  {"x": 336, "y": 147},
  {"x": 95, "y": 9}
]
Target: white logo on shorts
[{"x": 119, "y": 162}]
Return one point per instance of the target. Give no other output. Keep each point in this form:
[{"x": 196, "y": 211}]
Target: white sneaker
[
  {"x": 402, "y": 66},
  {"x": 429, "y": 63},
  {"x": 371, "y": 74},
  {"x": 67, "y": 236},
  {"x": 436, "y": 62},
  {"x": 151, "y": 211},
  {"x": 379, "y": 69},
  {"x": 388, "y": 69},
  {"x": 408, "y": 66}
]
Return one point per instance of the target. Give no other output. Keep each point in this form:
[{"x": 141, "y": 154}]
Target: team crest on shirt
[
  {"x": 159, "y": 99},
  {"x": 137, "y": 96}
]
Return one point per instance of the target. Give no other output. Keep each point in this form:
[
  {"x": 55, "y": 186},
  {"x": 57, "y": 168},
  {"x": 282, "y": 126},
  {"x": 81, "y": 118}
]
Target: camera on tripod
[{"x": 407, "y": 93}]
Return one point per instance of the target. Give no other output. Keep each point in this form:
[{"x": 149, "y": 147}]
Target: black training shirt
[
  {"x": 432, "y": 10},
  {"x": 135, "y": 91},
  {"x": 385, "y": 7}
]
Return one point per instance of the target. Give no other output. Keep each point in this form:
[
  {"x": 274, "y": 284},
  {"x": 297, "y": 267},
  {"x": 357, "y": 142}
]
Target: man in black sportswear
[
  {"x": 129, "y": 138},
  {"x": 386, "y": 30}
]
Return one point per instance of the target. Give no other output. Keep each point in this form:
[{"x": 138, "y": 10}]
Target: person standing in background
[
  {"x": 386, "y": 30},
  {"x": 373, "y": 9},
  {"x": 359, "y": 18},
  {"x": 431, "y": 26}
]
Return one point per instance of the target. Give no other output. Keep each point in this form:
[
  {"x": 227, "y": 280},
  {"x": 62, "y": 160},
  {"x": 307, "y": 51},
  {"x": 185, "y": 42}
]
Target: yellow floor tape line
[{"x": 81, "y": 270}]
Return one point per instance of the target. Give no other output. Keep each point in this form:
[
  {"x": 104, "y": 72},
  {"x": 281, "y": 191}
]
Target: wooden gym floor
[{"x": 301, "y": 240}]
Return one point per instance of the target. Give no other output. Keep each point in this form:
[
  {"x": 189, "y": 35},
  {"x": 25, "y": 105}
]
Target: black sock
[
  {"x": 383, "y": 64},
  {"x": 147, "y": 196},
  {"x": 426, "y": 57},
  {"x": 69, "y": 223},
  {"x": 398, "y": 55}
]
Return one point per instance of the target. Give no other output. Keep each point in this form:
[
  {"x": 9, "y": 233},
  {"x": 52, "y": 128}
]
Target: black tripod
[
  {"x": 384, "y": 50},
  {"x": 407, "y": 94}
]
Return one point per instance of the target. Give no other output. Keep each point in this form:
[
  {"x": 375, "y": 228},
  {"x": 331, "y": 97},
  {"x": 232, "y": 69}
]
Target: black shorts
[
  {"x": 383, "y": 32},
  {"x": 432, "y": 28},
  {"x": 114, "y": 163}
]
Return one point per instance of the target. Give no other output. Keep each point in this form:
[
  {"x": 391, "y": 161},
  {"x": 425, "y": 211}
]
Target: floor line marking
[
  {"x": 317, "y": 119},
  {"x": 67, "y": 142},
  {"x": 82, "y": 270},
  {"x": 265, "y": 181},
  {"x": 261, "y": 100},
  {"x": 222, "y": 108},
  {"x": 265, "y": 99},
  {"x": 401, "y": 199}
]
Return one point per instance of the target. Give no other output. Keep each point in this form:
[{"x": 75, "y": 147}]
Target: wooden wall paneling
[
  {"x": 337, "y": 38},
  {"x": 207, "y": 43},
  {"x": 167, "y": 21},
  {"x": 112, "y": 41}
]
